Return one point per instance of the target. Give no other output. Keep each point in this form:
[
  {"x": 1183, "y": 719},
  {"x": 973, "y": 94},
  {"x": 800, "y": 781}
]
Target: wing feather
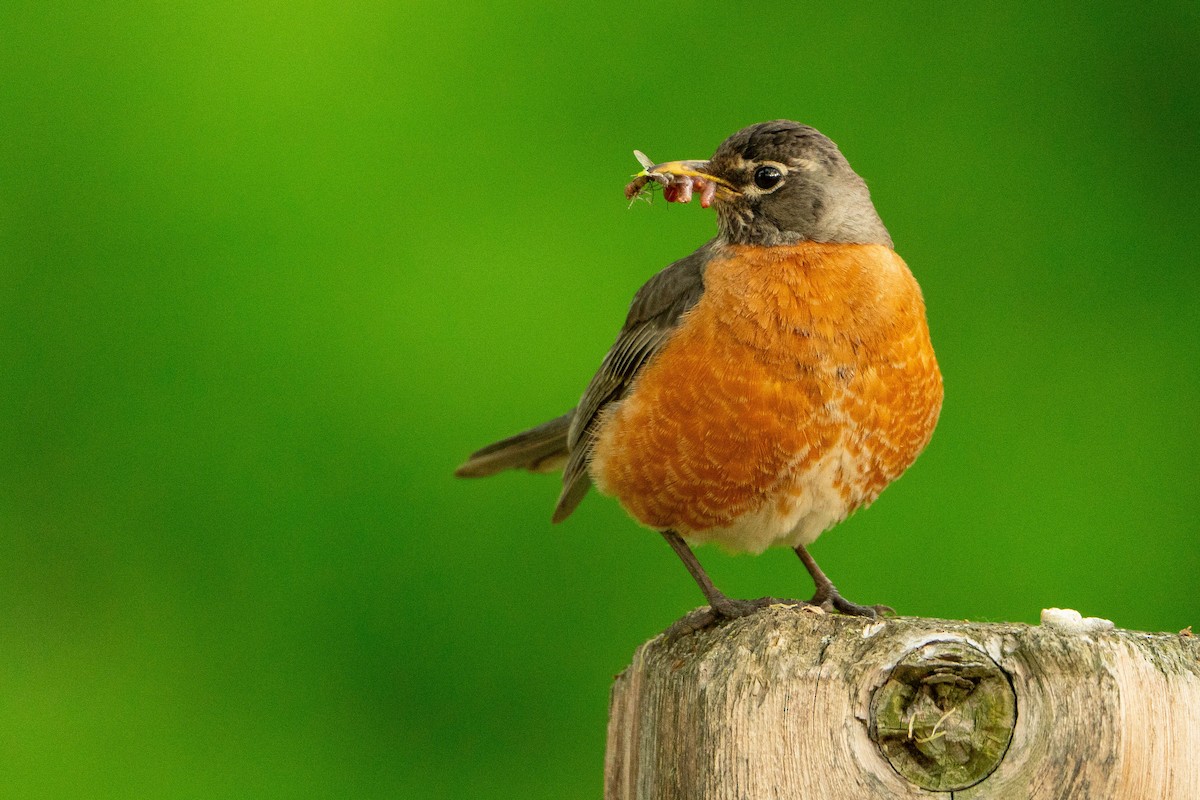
[{"x": 653, "y": 317}]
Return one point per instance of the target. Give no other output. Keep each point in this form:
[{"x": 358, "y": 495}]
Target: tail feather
[{"x": 540, "y": 449}]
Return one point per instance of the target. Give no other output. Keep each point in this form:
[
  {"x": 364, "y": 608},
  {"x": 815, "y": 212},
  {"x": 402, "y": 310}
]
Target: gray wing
[{"x": 653, "y": 317}]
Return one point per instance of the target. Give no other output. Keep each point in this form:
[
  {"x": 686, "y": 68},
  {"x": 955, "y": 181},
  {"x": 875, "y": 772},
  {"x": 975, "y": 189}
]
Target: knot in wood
[{"x": 945, "y": 716}]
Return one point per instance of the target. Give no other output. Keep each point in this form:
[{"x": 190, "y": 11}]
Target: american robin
[{"x": 764, "y": 387}]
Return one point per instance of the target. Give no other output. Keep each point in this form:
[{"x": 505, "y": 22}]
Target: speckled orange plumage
[{"x": 799, "y": 386}]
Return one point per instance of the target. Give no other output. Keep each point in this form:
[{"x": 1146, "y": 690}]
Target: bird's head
[{"x": 775, "y": 183}]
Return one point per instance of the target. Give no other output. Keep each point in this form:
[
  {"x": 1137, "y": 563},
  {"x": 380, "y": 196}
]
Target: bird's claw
[{"x": 832, "y": 601}]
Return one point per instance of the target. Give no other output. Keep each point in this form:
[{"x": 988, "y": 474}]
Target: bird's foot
[
  {"x": 724, "y": 609},
  {"x": 830, "y": 599},
  {"x": 729, "y": 608}
]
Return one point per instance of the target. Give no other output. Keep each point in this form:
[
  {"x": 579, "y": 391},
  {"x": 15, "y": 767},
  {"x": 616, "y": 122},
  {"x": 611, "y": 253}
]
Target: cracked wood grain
[{"x": 790, "y": 704}]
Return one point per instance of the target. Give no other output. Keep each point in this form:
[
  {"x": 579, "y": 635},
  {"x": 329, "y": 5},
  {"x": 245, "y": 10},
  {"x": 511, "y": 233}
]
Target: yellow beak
[{"x": 687, "y": 169}]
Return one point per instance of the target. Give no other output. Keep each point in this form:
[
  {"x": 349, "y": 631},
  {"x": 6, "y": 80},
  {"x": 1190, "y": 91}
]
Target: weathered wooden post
[{"x": 788, "y": 703}]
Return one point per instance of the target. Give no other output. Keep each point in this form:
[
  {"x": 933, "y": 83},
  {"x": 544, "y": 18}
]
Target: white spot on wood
[{"x": 1070, "y": 620}]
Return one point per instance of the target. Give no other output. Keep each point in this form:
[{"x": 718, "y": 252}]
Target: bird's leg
[
  {"x": 721, "y": 605},
  {"x": 827, "y": 595}
]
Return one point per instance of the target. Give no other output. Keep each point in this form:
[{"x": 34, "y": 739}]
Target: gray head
[{"x": 782, "y": 182}]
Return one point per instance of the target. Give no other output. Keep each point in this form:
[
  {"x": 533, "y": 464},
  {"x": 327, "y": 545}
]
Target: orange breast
[{"x": 800, "y": 385}]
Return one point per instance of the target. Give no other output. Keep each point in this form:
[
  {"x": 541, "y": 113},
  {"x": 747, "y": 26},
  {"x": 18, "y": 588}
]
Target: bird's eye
[{"x": 767, "y": 177}]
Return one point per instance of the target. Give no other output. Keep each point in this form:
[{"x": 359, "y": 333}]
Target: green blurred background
[{"x": 270, "y": 270}]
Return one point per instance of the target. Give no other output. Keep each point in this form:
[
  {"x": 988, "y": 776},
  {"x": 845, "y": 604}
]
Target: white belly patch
[{"x": 817, "y": 497}]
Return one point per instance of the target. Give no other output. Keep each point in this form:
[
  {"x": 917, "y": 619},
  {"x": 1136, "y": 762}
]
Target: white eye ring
[{"x": 767, "y": 177}]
